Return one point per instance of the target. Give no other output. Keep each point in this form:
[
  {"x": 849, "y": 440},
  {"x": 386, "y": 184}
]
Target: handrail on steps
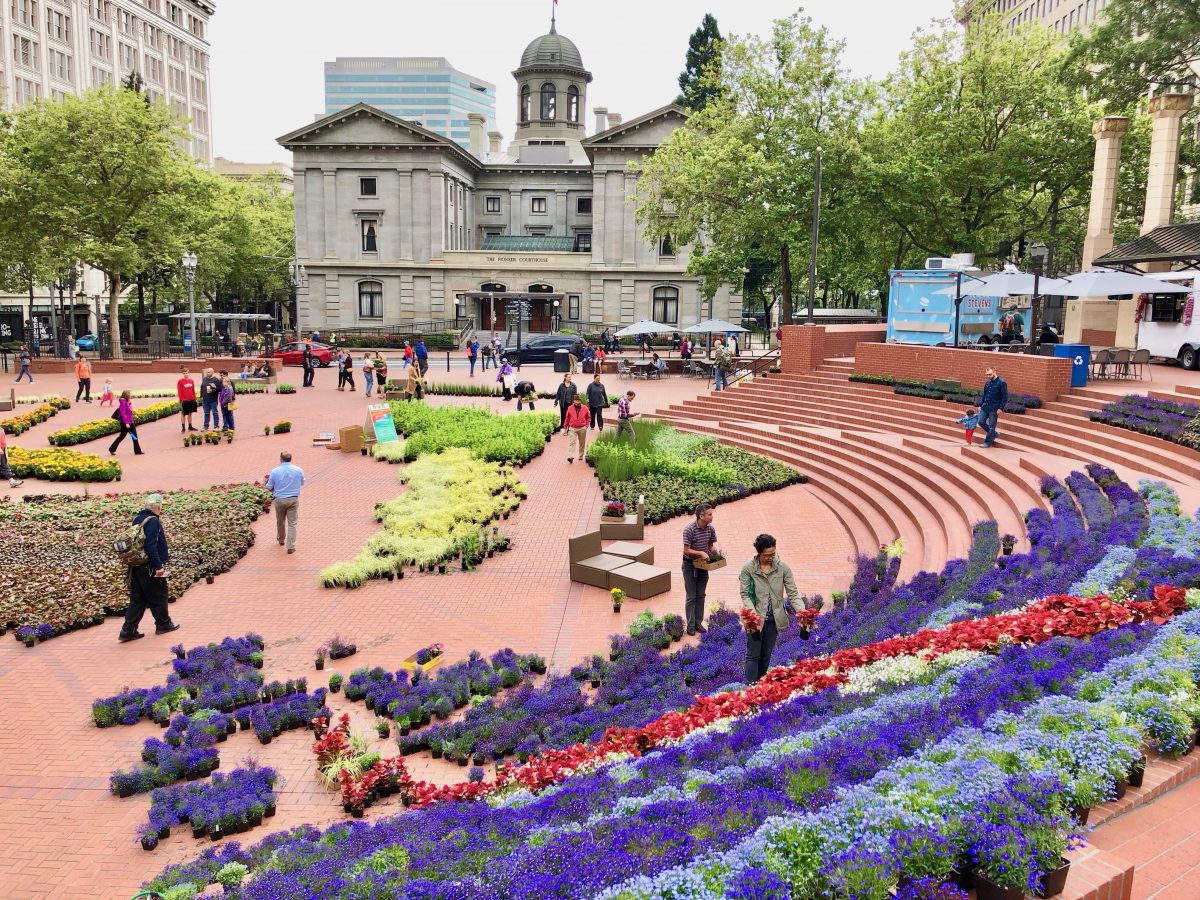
[{"x": 758, "y": 364}]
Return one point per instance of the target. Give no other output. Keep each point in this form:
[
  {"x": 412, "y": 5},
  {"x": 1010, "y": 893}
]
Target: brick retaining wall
[
  {"x": 805, "y": 347},
  {"x": 1045, "y": 377}
]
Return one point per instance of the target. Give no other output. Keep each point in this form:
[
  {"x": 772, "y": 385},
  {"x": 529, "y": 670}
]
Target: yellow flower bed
[
  {"x": 21, "y": 423},
  {"x": 89, "y": 431},
  {"x": 62, "y": 465}
]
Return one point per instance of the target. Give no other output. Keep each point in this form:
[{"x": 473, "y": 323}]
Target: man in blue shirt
[
  {"x": 422, "y": 356},
  {"x": 284, "y": 483},
  {"x": 995, "y": 395},
  {"x": 148, "y": 582}
]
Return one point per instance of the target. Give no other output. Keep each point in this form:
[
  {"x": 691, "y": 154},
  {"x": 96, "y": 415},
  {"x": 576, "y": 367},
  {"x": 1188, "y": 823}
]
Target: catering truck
[
  {"x": 921, "y": 310},
  {"x": 1167, "y": 326}
]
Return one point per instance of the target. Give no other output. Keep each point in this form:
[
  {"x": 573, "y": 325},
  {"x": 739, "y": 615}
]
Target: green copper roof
[
  {"x": 515, "y": 243},
  {"x": 552, "y": 50}
]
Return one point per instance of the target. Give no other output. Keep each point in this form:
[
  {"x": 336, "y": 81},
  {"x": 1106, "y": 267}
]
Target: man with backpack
[
  {"x": 722, "y": 366},
  {"x": 143, "y": 549}
]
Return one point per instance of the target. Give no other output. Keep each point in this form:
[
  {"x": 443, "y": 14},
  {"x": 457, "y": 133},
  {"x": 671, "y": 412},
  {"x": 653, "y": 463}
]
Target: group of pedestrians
[{"x": 576, "y": 419}]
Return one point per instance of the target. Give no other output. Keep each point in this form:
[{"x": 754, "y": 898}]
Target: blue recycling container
[{"x": 1081, "y": 361}]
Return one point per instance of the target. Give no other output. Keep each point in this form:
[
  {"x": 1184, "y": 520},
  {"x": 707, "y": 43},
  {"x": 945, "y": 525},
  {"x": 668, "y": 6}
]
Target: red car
[{"x": 293, "y": 354}]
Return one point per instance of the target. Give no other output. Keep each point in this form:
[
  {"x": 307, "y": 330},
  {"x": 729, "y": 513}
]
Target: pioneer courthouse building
[{"x": 396, "y": 224}]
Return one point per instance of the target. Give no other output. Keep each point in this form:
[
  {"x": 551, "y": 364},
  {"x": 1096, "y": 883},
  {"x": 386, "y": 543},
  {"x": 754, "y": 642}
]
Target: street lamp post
[
  {"x": 189, "y": 274},
  {"x": 816, "y": 231},
  {"x": 1037, "y": 258}
]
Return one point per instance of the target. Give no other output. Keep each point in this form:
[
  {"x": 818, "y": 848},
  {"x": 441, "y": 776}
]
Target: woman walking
[
  {"x": 346, "y": 364},
  {"x": 227, "y": 403},
  {"x": 368, "y": 373},
  {"x": 564, "y": 397},
  {"x": 765, "y": 580},
  {"x": 23, "y": 358},
  {"x": 124, "y": 417}
]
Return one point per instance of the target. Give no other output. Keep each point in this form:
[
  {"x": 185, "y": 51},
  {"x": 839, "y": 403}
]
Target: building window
[
  {"x": 1195, "y": 195},
  {"x": 573, "y": 307},
  {"x": 199, "y": 89},
  {"x": 368, "y": 187},
  {"x": 100, "y": 9},
  {"x": 128, "y": 57},
  {"x": 127, "y": 22},
  {"x": 572, "y": 104},
  {"x": 370, "y": 299},
  {"x": 100, "y": 76},
  {"x": 60, "y": 65},
  {"x": 26, "y": 90},
  {"x": 539, "y": 232},
  {"x": 25, "y": 51},
  {"x": 526, "y": 103},
  {"x": 370, "y": 241},
  {"x": 549, "y": 101},
  {"x": 58, "y": 25},
  {"x": 100, "y": 43},
  {"x": 25, "y": 12},
  {"x": 583, "y": 242},
  {"x": 537, "y": 205},
  {"x": 583, "y": 206},
  {"x": 666, "y": 305},
  {"x": 199, "y": 120},
  {"x": 491, "y": 204},
  {"x": 666, "y": 247},
  {"x": 154, "y": 69}
]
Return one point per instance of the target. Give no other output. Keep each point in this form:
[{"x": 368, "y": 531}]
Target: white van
[{"x": 1170, "y": 323}]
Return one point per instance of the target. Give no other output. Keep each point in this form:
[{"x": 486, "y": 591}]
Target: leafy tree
[
  {"x": 979, "y": 139},
  {"x": 103, "y": 178},
  {"x": 1137, "y": 44},
  {"x": 699, "y": 82},
  {"x": 737, "y": 181}
]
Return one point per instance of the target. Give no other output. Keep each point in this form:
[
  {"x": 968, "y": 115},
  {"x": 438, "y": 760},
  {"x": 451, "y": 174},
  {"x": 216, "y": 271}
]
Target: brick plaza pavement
[{"x": 66, "y": 836}]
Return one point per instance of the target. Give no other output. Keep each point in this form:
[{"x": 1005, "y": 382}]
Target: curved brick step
[{"x": 910, "y": 515}]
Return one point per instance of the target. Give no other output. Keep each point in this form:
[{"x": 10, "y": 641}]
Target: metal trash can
[
  {"x": 1081, "y": 361},
  {"x": 562, "y": 360}
]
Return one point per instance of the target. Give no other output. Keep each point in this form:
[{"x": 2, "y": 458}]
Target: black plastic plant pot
[{"x": 149, "y": 842}]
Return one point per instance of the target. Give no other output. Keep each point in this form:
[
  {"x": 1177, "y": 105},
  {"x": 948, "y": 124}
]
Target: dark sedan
[{"x": 541, "y": 349}]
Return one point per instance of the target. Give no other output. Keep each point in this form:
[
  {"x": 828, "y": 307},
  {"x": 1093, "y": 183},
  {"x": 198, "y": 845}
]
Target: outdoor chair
[
  {"x": 632, "y": 529},
  {"x": 641, "y": 581},
  {"x": 632, "y": 551},
  {"x": 1101, "y": 359},
  {"x": 623, "y": 369},
  {"x": 589, "y": 563},
  {"x": 9, "y": 401},
  {"x": 1121, "y": 359},
  {"x": 1141, "y": 362}
]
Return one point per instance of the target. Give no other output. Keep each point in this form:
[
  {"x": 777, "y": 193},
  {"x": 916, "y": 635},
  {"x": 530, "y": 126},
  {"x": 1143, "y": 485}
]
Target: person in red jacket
[
  {"x": 578, "y": 418},
  {"x": 5, "y": 470},
  {"x": 185, "y": 390}
]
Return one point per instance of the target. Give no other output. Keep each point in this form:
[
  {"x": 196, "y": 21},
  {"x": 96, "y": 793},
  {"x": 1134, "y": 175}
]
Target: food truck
[
  {"x": 921, "y": 310},
  {"x": 1165, "y": 322}
]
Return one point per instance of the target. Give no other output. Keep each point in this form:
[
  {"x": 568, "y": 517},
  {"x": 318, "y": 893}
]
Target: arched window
[
  {"x": 666, "y": 305},
  {"x": 526, "y": 108},
  {"x": 370, "y": 300},
  {"x": 572, "y": 104},
  {"x": 549, "y": 100}
]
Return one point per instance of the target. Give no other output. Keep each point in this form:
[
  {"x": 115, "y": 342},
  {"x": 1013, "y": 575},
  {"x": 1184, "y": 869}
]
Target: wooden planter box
[
  {"x": 412, "y": 665},
  {"x": 612, "y": 520},
  {"x": 709, "y": 566}
]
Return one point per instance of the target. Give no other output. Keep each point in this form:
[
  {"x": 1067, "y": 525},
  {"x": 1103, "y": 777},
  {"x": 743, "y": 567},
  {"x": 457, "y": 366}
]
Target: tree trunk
[
  {"x": 785, "y": 285},
  {"x": 114, "y": 316},
  {"x": 141, "y": 331}
]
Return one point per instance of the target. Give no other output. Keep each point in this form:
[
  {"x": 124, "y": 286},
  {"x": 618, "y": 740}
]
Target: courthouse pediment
[
  {"x": 365, "y": 126},
  {"x": 644, "y": 132}
]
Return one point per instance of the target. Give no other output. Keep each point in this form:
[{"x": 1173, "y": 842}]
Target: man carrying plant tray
[
  {"x": 699, "y": 543},
  {"x": 143, "y": 549}
]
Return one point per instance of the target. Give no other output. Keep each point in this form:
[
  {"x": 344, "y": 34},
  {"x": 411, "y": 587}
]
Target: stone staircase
[{"x": 889, "y": 465}]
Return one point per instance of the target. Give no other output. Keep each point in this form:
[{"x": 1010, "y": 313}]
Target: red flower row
[{"x": 1057, "y": 616}]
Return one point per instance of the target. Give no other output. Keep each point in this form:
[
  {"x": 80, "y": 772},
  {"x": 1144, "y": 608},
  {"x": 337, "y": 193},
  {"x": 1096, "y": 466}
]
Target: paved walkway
[{"x": 65, "y": 836}]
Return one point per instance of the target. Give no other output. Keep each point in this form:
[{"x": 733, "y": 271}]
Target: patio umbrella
[
  {"x": 1107, "y": 282},
  {"x": 645, "y": 326},
  {"x": 713, "y": 326},
  {"x": 1009, "y": 283}
]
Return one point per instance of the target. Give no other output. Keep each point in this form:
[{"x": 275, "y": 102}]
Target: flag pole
[{"x": 553, "y": 11}]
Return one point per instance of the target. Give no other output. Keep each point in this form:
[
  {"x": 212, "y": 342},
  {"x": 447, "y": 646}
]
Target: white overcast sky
[{"x": 268, "y": 55}]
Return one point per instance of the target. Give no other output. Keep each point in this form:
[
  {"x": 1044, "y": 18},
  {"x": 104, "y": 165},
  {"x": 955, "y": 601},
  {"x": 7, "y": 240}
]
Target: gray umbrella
[
  {"x": 1107, "y": 282},
  {"x": 713, "y": 326},
  {"x": 645, "y": 326}
]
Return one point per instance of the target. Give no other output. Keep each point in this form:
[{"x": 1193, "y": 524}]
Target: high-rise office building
[
  {"x": 427, "y": 90},
  {"x": 52, "y": 48}
]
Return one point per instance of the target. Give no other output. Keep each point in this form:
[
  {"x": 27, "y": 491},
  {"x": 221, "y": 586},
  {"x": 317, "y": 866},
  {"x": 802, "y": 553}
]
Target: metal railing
[{"x": 759, "y": 364}]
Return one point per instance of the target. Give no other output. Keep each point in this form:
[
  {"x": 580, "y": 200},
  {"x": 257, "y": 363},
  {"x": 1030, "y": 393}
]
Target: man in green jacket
[{"x": 765, "y": 580}]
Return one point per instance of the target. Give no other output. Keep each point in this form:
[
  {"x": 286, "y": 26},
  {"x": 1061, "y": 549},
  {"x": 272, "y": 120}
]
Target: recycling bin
[
  {"x": 1081, "y": 360},
  {"x": 562, "y": 360}
]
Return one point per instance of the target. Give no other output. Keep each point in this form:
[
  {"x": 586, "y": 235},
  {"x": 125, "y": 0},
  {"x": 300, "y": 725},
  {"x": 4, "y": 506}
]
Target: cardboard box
[{"x": 351, "y": 438}]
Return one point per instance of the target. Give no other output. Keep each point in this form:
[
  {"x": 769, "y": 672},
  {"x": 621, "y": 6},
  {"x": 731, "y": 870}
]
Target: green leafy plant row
[{"x": 514, "y": 439}]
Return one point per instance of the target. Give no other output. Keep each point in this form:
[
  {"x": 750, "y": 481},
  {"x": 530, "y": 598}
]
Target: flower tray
[
  {"x": 612, "y": 520},
  {"x": 709, "y": 565},
  {"x": 412, "y": 665}
]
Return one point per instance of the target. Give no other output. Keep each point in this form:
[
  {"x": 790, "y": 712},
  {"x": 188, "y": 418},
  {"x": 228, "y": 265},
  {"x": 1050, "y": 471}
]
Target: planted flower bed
[
  {"x": 675, "y": 471},
  {"x": 927, "y": 753},
  {"x": 22, "y": 422},
  {"x": 89, "y": 431},
  {"x": 1166, "y": 419},
  {"x": 452, "y": 495},
  {"x": 507, "y": 439},
  {"x": 62, "y": 465},
  {"x": 931, "y": 390},
  {"x": 228, "y": 804},
  {"x": 60, "y": 568}
]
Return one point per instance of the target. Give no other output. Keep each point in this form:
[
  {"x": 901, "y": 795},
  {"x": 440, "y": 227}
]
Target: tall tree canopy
[
  {"x": 737, "y": 180},
  {"x": 103, "y": 179},
  {"x": 703, "y": 57}
]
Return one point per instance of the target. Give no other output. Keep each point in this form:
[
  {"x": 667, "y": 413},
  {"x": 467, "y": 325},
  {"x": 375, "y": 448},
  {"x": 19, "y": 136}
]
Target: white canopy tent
[{"x": 1107, "y": 282}]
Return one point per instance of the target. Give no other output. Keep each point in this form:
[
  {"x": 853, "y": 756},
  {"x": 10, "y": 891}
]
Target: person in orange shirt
[{"x": 83, "y": 374}]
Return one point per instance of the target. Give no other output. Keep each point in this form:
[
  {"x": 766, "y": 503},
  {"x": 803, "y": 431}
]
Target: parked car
[
  {"x": 293, "y": 354},
  {"x": 87, "y": 341},
  {"x": 541, "y": 349}
]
